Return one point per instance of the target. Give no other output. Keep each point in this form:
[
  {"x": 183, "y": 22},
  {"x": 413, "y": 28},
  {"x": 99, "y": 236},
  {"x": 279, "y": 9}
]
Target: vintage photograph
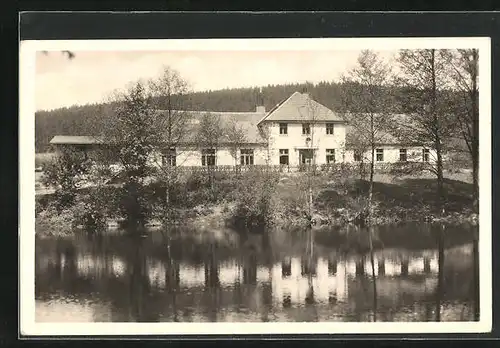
[{"x": 241, "y": 181}]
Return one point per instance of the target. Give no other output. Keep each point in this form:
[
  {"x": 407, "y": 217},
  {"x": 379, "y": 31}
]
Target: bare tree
[
  {"x": 168, "y": 95},
  {"x": 211, "y": 134},
  {"x": 236, "y": 137},
  {"x": 365, "y": 107},
  {"x": 464, "y": 71},
  {"x": 424, "y": 80},
  {"x": 310, "y": 115}
]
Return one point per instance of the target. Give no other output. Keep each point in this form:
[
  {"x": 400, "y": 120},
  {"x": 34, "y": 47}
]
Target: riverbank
[{"x": 337, "y": 202}]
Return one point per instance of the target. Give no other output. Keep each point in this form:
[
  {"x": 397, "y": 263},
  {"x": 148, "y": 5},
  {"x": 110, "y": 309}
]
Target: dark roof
[
  {"x": 246, "y": 120},
  {"x": 300, "y": 107}
]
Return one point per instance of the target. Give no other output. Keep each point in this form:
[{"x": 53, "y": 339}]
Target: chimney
[
  {"x": 260, "y": 103},
  {"x": 305, "y": 92}
]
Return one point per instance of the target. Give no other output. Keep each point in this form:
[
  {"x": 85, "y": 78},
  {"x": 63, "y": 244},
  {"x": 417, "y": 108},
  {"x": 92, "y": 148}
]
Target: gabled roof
[
  {"x": 75, "y": 140},
  {"x": 300, "y": 107}
]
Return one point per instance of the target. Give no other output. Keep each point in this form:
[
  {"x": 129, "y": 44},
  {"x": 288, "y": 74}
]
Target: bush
[
  {"x": 65, "y": 174},
  {"x": 255, "y": 204},
  {"x": 51, "y": 222}
]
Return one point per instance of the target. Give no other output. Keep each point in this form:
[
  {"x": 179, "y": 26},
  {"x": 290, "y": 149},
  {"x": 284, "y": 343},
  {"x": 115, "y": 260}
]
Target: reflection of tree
[
  {"x": 286, "y": 267},
  {"x": 332, "y": 266},
  {"x": 439, "y": 289},
  {"x": 404, "y": 266},
  {"x": 172, "y": 279},
  {"x": 267, "y": 294},
  {"x": 250, "y": 269},
  {"x": 138, "y": 282},
  {"x": 381, "y": 267},
  {"x": 475, "y": 283},
  {"x": 427, "y": 265},
  {"x": 360, "y": 266},
  {"x": 212, "y": 284}
]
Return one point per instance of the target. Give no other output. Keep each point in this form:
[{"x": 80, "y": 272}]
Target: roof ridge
[
  {"x": 277, "y": 107},
  {"x": 218, "y": 112}
]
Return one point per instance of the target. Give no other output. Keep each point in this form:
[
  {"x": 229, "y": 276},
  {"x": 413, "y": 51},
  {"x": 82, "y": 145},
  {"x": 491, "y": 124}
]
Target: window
[
  {"x": 284, "y": 156},
  {"x": 208, "y": 157},
  {"x": 357, "y": 156},
  {"x": 380, "y": 155},
  {"x": 306, "y": 128},
  {"x": 329, "y": 128},
  {"x": 283, "y": 128},
  {"x": 425, "y": 155},
  {"x": 403, "y": 157},
  {"x": 168, "y": 158},
  {"x": 330, "y": 156},
  {"x": 246, "y": 157}
]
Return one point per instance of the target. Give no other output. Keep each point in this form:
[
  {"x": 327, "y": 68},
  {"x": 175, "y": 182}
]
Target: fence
[{"x": 354, "y": 168}]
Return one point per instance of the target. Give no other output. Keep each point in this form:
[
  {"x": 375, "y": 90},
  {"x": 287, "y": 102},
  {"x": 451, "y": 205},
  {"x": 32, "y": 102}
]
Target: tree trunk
[
  {"x": 437, "y": 136},
  {"x": 370, "y": 217},
  {"x": 439, "y": 172},
  {"x": 439, "y": 289},
  {"x": 475, "y": 260},
  {"x": 475, "y": 136}
]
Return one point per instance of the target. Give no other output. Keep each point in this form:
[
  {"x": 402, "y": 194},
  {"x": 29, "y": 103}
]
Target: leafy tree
[{"x": 66, "y": 173}]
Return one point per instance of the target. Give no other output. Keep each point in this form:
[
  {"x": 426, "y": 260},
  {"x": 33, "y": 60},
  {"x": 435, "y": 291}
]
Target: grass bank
[{"x": 337, "y": 200}]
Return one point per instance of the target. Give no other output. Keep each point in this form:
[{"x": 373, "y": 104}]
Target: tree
[
  {"x": 424, "y": 79},
  {"x": 236, "y": 137},
  {"x": 365, "y": 107},
  {"x": 66, "y": 173},
  {"x": 147, "y": 125},
  {"x": 173, "y": 128},
  {"x": 464, "y": 71}
]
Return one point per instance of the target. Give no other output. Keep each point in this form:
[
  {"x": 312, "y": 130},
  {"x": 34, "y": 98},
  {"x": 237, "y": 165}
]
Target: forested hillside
[{"x": 74, "y": 120}]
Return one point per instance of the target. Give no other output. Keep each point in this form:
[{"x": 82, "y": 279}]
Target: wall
[
  {"x": 391, "y": 154},
  {"x": 189, "y": 157},
  {"x": 295, "y": 139}
]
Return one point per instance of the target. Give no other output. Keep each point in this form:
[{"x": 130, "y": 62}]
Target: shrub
[
  {"x": 51, "y": 222},
  {"x": 255, "y": 205},
  {"x": 65, "y": 174}
]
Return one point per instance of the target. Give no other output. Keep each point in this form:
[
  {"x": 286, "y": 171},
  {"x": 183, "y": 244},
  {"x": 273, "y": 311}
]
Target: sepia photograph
[{"x": 255, "y": 186}]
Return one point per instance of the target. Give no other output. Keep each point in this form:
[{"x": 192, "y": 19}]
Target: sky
[{"x": 91, "y": 76}]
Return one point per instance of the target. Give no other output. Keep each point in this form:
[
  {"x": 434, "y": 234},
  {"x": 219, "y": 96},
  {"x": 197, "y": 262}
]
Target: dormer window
[
  {"x": 306, "y": 128},
  {"x": 283, "y": 128}
]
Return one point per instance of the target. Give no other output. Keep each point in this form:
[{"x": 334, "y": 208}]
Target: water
[{"x": 117, "y": 278}]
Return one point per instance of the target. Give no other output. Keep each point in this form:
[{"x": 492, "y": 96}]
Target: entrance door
[{"x": 305, "y": 156}]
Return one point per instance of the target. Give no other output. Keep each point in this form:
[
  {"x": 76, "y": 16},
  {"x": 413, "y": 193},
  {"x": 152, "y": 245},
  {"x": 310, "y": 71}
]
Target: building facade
[{"x": 298, "y": 131}]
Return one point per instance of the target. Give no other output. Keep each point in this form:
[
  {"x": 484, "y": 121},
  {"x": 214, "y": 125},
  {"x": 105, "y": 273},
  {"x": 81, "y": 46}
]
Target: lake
[{"x": 422, "y": 272}]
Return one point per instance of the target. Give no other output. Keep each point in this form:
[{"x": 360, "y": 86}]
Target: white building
[{"x": 295, "y": 132}]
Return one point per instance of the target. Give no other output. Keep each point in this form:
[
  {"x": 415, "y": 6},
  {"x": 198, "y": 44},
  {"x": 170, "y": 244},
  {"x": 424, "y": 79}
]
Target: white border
[{"x": 28, "y": 326}]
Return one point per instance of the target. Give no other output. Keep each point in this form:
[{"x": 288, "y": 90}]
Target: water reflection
[{"x": 120, "y": 278}]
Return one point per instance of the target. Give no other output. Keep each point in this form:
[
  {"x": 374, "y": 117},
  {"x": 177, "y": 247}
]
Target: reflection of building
[{"x": 293, "y": 289}]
